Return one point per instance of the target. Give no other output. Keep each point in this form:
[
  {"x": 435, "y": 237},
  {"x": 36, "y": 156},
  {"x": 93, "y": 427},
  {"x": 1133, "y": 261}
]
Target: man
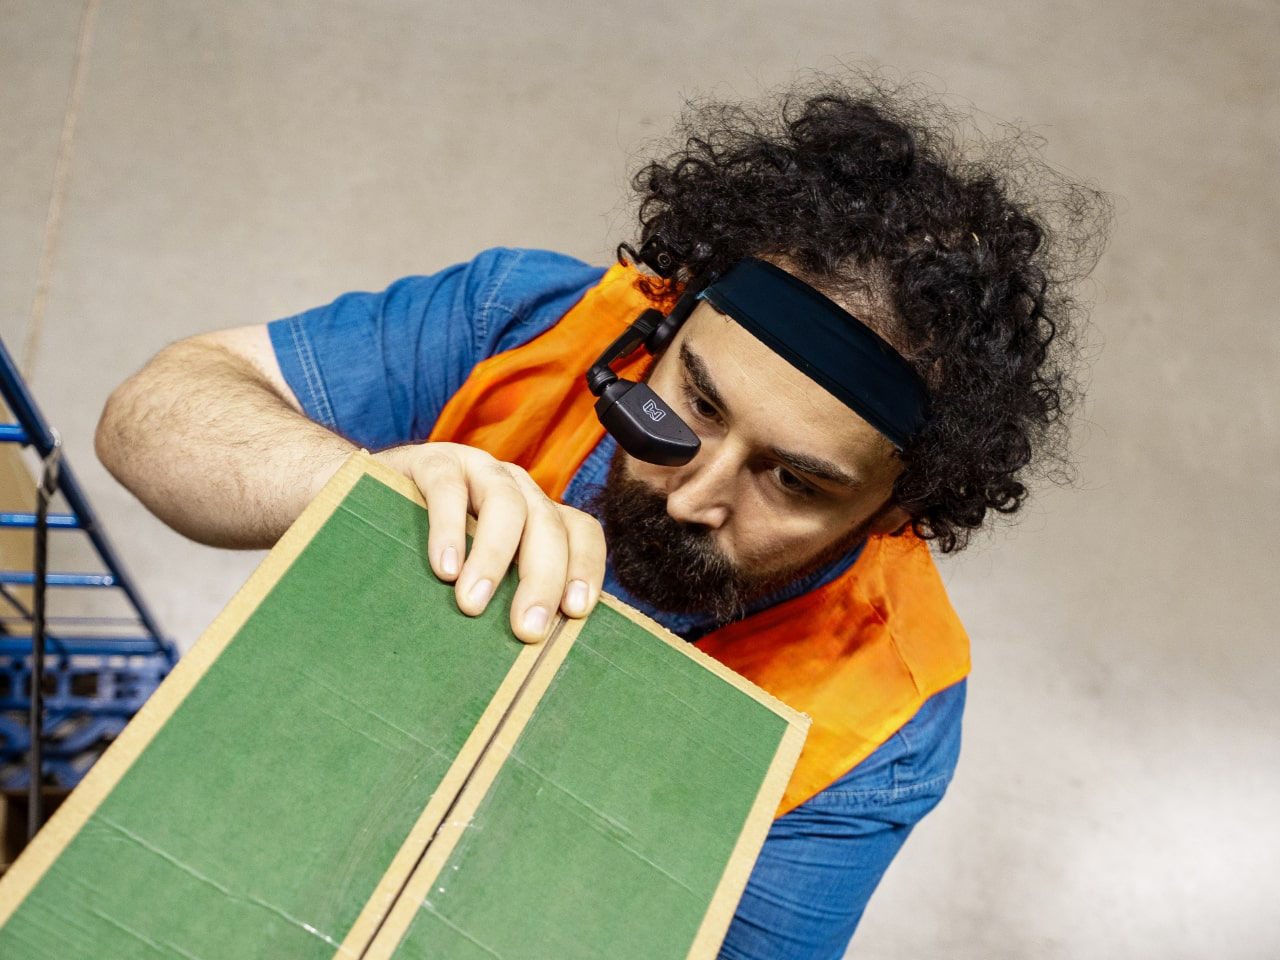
[{"x": 865, "y": 343}]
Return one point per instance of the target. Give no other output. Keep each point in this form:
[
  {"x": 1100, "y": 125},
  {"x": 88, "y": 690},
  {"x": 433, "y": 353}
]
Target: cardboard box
[{"x": 346, "y": 766}]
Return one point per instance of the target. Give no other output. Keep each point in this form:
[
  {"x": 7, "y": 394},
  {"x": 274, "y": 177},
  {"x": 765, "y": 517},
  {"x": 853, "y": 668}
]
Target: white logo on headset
[{"x": 655, "y": 412}]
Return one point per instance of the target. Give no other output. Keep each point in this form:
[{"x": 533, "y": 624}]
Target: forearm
[
  {"x": 210, "y": 437},
  {"x": 206, "y": 442}
]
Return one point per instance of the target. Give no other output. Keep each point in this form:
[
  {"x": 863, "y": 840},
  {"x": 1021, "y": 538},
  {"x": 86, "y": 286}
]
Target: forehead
[{"x": 774, "y": 404}]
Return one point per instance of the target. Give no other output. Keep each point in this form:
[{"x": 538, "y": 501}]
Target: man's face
[{"x": 787, "y": 478}]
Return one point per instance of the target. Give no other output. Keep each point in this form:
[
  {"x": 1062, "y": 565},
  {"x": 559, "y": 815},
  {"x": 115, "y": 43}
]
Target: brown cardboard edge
[
  {"x": 420, "y": 836},
  {"x": 553, "y": 652},
  {"x": 724, "y": 902},
  {"x": 102, "y": 778},
  {"x": 48, "y": 845},
  {"x": 446, "y": 797},
  {"x": 737, "y": 870}
]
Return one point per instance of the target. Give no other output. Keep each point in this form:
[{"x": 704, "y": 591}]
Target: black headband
[{"x": 824, "y": 342}]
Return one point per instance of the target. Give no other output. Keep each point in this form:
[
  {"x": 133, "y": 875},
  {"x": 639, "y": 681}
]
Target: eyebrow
[{"x": 696, "y": 370}]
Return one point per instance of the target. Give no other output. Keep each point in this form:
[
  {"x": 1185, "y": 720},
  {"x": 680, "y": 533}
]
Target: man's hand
[
  {"x": 559, "y": 551},
  {"x": 211, "y": 439}
]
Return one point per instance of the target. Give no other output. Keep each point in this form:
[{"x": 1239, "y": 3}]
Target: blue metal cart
[{"x": 93, "y": 672}]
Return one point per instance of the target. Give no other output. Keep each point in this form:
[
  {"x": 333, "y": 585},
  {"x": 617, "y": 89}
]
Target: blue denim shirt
[{"x": 379, "y": 368}]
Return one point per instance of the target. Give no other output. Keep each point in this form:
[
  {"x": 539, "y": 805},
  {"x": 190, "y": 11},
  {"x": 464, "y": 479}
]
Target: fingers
[
  {"x": 560, "y": 551},
  {"x": 584, "y": 572},
  {"x": 441, "y": 477},
  {"x": 561, "y": 562},
  {"x": 501, "y": 510},
  {"x": 543, "y": 560}
]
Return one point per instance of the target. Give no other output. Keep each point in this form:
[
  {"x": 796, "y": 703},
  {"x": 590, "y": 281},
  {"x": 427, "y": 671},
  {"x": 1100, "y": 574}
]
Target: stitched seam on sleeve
[
  {"x": 483, "y": 325},
  {"x": 887, "y": 795},
  {"x": 311, "y": 374}
]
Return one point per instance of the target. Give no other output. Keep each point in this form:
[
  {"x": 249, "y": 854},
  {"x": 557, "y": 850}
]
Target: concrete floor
[{"x": 233, "y": 162}]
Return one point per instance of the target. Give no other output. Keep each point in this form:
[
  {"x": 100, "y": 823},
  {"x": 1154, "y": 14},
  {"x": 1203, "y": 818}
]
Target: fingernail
[
  {"x": 535, "y": 620},
  {"x": 449, "y": 562},
  {"x": 576, "y": 597},
  {"x": 479, "y": 594}
]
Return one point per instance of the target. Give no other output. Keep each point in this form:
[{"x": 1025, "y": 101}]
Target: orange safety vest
[{"x": 859, "y": 654}]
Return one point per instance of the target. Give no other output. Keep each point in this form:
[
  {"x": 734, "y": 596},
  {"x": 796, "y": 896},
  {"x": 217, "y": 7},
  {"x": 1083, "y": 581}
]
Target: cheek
[
  {"x": 762, "y": 539},
  {"x": 651, "y": 475}
]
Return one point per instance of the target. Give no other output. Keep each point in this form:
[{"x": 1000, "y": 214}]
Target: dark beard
[{"x": 676, "y": 566}]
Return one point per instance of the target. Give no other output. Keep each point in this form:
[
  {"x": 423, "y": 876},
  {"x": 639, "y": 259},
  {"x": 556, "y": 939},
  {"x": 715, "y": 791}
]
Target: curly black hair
[{"x": 972, "y": 243}]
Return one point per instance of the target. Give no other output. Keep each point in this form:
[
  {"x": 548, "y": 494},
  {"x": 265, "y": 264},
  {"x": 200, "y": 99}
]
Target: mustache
[
  {"x": 669, "y": 564},
  {"x": 658, "y": 531}
]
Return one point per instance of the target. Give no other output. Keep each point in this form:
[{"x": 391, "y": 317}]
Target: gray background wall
[{"x": 225, "y": 163}]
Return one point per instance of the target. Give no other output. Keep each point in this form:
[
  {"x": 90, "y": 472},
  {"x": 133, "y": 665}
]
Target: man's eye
[
  {"x": 792, "y": 484},
  {"x": 701, "y": 406}
]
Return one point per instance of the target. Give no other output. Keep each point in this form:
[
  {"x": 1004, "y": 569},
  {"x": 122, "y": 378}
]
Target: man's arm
[{"x": 210, "y": 438}]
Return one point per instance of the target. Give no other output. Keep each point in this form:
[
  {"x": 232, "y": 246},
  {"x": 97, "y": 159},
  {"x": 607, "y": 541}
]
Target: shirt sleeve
[
  {"x": 822, "y": 861},
  {"x": 378, "y": 368}
]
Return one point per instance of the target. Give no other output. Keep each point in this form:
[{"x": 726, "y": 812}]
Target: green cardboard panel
[
  {"x": 259, "y": 819},
  {"x": 608, "y": 828}
]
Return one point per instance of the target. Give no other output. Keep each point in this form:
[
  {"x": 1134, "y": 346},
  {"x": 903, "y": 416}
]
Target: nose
[{"x": 701, "y": 492}]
